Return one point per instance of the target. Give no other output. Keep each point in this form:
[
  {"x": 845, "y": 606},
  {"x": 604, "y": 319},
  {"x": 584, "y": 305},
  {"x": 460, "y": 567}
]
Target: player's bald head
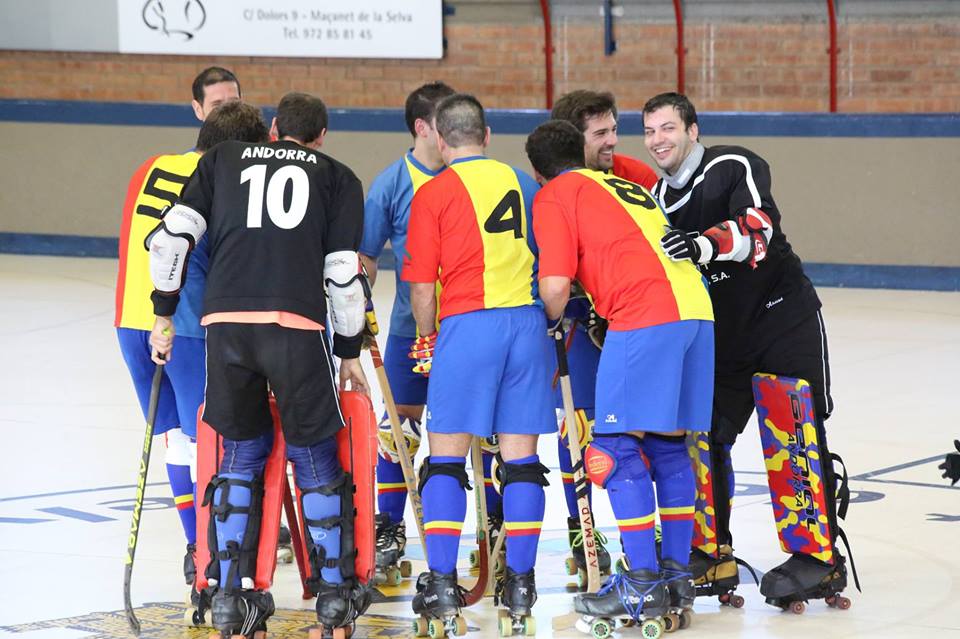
[{"x": 460, "y": 121}]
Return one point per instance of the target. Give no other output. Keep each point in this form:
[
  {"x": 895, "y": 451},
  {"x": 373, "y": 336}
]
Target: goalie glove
[
  {"x": 951, "y": 465},
  {"x": 679, "y": 245},
  {"x": 422, "y": 350}
]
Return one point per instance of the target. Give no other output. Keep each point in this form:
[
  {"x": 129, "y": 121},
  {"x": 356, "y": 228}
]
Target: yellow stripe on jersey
[
  {"x": 693, "y": 300},
  {"x": 502, "y": 221},
  {"x": 162, "y": 184},
  {"x": 417, "y": 177}
]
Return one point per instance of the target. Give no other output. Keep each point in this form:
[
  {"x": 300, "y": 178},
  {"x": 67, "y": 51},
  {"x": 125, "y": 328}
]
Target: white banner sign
[{"x": 283, "y": 28}]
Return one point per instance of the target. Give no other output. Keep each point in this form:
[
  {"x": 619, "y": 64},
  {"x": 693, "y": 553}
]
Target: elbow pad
[
  {"x": 348, "y": 291},
  {"x": 170, "y": 244},
  {"x": 743, "y": 239}
]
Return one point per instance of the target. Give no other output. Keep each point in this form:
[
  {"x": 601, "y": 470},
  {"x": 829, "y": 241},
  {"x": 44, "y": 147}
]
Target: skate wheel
[
  {"x": 797, "y": 607},
  {"x": 735, "y": 600},
  {"x": 651, "y": 628},
  {"x": 392, "y": 576},
  {"x": 671, "y": 622},
  {"x": 529, "y": 626},
  {"x": 436, "y": 629},
  {"x": 505, "y": 626},
  {"x": 259, "y": 634},
  {"x": 315, "y": 633},
  {"x": 459, "y": 626},
  {"x": 582, "y": 580},
  {"x": 420, "y": 627},
  {"x": 499, "y": 565},
  {"x": 474, "y": 558},
  {"x": 341, "y": 633},
  {"x": 686, "y": 619},
  {"x": 571, "y": 566},
  {"x": 843, "y": 603},
  {"x": 406, "y": 569},
  {"x": 284, "y": 556},
  {"x": 601, "y": 628}
]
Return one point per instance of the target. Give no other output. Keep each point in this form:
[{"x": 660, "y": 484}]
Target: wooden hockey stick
[
  {"x": 403, "y": 452},
  {"x": 576, "y": 460},
  {"x": 138, "y": 503},
  {"x": 485, "y": 576}
]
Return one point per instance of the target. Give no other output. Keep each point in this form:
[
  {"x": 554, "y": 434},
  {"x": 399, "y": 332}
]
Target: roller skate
[
  {"x": 438, "y": 602},
  {"x": 679, "y": 581},
  {"x": 518, "y": 592},
  {"x": 718, "y": 576},
  {"x": 284, "y": 546},
  {"x": 633, "y": 598},
  {"x": 391, "y": 544},
  {"x": 494, "y": 526},
  {"x": 802, "y": 577},
  {"x": 241, "y": 614},
  {"x": 338, "y": 606},
  {"x": 189, "y": 565},
  {"x": 199, "y": 603},
  {"x": 577, "y": 563}
]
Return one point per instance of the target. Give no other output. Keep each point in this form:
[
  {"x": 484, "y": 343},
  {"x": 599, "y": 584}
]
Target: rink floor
[{"x": 72, "y": 434}]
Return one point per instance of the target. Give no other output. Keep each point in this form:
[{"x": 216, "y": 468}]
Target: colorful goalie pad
[
  {"x": 705, "y": 515},
  {"x": 795, "y": 471},
  {"x": 209, "y": 453}
]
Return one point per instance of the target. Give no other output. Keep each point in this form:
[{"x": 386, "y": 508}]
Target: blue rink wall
[{"x": 867, "y": 199}]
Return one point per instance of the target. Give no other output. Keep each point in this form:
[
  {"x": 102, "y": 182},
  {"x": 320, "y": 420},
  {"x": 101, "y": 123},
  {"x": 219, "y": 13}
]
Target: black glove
[
  {"x": 596, "y": 328},
  {"x": 951, "y": 465},
  {"x": 679, "y": 245}
]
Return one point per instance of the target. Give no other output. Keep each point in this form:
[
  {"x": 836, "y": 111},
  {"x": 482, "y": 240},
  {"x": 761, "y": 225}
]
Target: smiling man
[{"x": 724, "y": 219}]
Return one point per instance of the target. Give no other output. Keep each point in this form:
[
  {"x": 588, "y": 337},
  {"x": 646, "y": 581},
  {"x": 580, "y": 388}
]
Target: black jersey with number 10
[{"x": 273, "y": 212}]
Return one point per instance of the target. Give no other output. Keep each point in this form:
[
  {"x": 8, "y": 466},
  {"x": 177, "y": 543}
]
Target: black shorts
[
  {"x": 243, "y": 358},
  {"x": 800, "y": 352}
]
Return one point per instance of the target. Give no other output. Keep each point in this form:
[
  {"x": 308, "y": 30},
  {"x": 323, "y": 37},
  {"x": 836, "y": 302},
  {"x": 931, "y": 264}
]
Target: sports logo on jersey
[{"x": 611, "y": 419}]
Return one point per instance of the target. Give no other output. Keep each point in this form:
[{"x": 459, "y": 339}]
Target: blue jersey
[{"x": 385, "y": 217}]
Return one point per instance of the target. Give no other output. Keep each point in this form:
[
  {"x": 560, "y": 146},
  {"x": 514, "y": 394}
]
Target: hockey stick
[
  {"x": 138, "y": 504},
  {"x": 485, "y": 575},
  {"x": 576, "y": 460},
  {"x": 406, "y": 461}
]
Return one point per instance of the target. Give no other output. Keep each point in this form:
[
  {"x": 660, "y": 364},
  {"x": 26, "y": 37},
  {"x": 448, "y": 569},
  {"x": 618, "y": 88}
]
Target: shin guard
[{"x": 713, "y": 475}]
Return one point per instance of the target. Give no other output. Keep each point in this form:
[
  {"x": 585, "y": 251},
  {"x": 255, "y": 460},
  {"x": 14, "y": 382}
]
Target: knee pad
[
  {"x": 385, "y": 441},
  {"x": 532, "y": 473},
  {"x": 315, "y": 465},
  {"x": 341, "y": 487},
  {"x": 178, "y": 447},
  {"x": 430, "y": 468},
  {"x": 242, "y": 555},
  {"x": 614, "y": 457}
]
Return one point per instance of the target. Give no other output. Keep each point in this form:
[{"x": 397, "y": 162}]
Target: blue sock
[
  {"x": 676, "y": 493},
  {"x": 631, "y": 495},
  {"x": 523, "y": 507},
  {"x": 391, "y": 489},
  {"x": 183, "y": 488},
  {"x": 444, "y": 509}
]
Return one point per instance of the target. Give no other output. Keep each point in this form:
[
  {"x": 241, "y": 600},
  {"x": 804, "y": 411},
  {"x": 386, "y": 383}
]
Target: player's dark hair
[
  {"x": 555, "y": 147},
  {"x": 578, "y": 106},
  {"x": 232, "y": 120},
  {"x": 212, "y": 75},
  {"x": 460, "y": 120},
  {"x": 301, "y": 116},
  {"x": 422, "y": 103},
  {"x": 680, "y": 102}
]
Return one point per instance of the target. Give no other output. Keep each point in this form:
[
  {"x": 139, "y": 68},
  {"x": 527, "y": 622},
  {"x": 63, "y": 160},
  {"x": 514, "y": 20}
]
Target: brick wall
[{"x": 884, "y": 66}]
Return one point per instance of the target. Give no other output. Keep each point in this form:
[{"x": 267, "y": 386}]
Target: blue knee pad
[
  {"x": 614, "y": 457},
  {"x": 327, "y": 506}
]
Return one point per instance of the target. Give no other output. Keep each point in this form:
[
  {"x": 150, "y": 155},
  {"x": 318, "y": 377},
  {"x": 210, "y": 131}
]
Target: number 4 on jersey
[{"x": 498, "y": 222}]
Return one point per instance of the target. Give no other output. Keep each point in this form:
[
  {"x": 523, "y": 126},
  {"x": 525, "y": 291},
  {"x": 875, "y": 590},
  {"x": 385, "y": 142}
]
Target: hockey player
[
  {"x": 154, "y": 186},
  {"x": 284, "y": 222},
  {"x": 768, "y": 319},
  {"x": 489, "y": 362},
  {"x": 385, "y": 217},
  {"x": 654, "y": 382},
  {"x": 595, "y": 115}
]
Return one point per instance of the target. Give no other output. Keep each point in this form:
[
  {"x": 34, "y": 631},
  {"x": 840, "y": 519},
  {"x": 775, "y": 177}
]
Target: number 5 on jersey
[{"x": 272, "y": 192}]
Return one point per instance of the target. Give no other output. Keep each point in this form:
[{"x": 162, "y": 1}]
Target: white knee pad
[{"x": 181, "y": 450}]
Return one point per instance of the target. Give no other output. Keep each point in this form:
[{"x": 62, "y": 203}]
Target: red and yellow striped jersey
[
  {"x": 470, "y": 227},
  {"x": 155, "y": 185},
  {"x": 605, "y": 231}
]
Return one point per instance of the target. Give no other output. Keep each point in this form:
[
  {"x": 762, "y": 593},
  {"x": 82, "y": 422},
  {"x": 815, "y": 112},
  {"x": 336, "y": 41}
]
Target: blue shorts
[
  {"x": 408, "y": 387},
  {"x": 656, "y": 379},
  {"x": 583, "y": 358},
  {"x": 491, "y": 374},
  {"x": 184, "y": 378}
]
